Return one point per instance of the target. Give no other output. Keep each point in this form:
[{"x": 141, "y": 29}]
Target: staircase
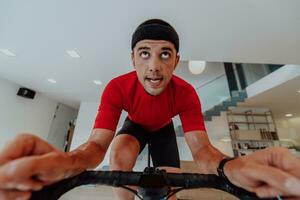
[{"x": 237, "y": 96}]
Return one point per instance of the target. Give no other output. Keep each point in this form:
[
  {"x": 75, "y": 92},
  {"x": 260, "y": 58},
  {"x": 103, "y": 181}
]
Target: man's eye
[
  {"x": 144, "y": 54},
  {"x": 165, "y": 55}
]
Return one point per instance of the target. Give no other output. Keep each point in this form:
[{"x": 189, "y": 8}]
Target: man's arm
[
  {"x": 268, "y": 173},
  {"x": 90, "y": 154},
  {"x": 28, "y": 162},
  {"x": 64, "y": 165},
  {"x": 205, "y": 155}
]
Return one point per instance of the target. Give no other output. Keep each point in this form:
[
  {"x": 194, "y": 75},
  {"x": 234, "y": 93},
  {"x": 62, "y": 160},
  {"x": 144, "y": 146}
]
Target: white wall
[
  {"x": 289, "y": 128},
  {"x": 289, "y": 133},
  {"x": 211, "y": 83},
  {"x": 18, "y": 114},
  {"x": 217, "y": 131},
  {"x": 84, "y": 123}
]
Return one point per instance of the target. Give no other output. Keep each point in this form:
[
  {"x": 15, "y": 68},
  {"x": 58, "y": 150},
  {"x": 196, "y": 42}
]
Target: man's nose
[{"x": 154, "y": 64}]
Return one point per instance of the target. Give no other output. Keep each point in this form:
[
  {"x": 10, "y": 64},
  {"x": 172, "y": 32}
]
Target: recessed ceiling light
[
  {"x": 73, "y": 54},
  {"x": 289, "y": 115},
  {"x": 51, "y": 80},
  {"x": 7, "y": 52},
  {"x": 97, "y": 82},
  {"x": 299, "y": 91}
]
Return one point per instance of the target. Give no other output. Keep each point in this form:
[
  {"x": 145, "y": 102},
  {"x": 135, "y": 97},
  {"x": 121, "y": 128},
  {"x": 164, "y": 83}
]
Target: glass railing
[
  {"x": 247, "y": 74},
  {"x": 235, "y": 77},
  {"x": 213, "y": 92}
]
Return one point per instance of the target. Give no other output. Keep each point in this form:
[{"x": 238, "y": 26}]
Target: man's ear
[
  {"x": 132, "y": 59},
  {"x": 177, "y": 59}
]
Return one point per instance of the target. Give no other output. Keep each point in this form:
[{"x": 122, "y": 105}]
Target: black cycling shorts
[{"x": 163, "y": 144}]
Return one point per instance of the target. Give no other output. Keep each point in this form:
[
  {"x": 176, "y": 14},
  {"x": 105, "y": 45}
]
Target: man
[{"x": 151, "y": 95}]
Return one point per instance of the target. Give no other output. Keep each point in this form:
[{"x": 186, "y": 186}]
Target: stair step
[
  {"x": 238, "y": 99},
  {"x": 235, "y": 93},
  {"x": 221, "y": 108},
  {"x": 211, "y": 113},
  {"x": 239, "y": 93},
  {"x": 229, "y": 103},
  {"x": 237, "y": 96},
  {"x": 207, "y": 118},
  {"x": 243, "y": 94}
]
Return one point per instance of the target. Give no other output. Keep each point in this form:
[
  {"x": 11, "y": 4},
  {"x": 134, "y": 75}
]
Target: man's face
[{"x": 154, "y": 61}]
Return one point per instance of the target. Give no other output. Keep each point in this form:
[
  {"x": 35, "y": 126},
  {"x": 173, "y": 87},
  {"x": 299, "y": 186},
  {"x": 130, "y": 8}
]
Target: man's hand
[
  {"x": 268, "y": 173},
  {"x": 28, "y": 163}
]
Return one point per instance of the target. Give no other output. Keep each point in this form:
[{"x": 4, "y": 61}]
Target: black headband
[{"x": 155, "y": 32}]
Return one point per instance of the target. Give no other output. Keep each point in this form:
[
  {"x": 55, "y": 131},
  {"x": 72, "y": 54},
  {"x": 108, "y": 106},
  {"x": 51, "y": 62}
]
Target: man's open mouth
[{"x": 154, "y": 81}]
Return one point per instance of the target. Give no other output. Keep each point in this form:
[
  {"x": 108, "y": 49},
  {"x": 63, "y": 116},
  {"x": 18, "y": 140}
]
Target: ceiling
[
  {"x": 39, "y": 32},
  {"x": 281, "y": 100}
]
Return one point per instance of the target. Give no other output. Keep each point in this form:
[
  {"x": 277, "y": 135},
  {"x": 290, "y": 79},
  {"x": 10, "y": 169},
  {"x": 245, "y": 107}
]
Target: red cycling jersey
[{"x": 151, "y": 112}]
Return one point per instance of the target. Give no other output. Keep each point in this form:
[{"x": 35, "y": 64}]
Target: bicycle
[{"x": 153, "y": 184}]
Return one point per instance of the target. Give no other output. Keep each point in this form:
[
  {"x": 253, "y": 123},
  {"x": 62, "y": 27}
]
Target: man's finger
[
  {"x": 46, "y": 168},
  {"x": 287, "y": 162},
  {"x": 14, "y": 195},
  {"x": 267, "y": 191},
  {"x": 292, "y": 198},
  {"x": 29, "y": 184},
  {"x": 275, "y": 178},
  {"x": 292, "y": 185},
  {"x": 245, "y": 182},
  {"x": 17, "y": 171},
  {"x": 278, "y": 157},
  {"x": 24, "y": 145}
]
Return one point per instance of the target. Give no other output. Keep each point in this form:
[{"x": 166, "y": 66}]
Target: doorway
[{"x": 62, "y": 126}]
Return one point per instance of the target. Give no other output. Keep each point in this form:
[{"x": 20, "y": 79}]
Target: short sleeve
[
  {"x": 110, "y": 107},
  {"x": 190, "y": 110}
]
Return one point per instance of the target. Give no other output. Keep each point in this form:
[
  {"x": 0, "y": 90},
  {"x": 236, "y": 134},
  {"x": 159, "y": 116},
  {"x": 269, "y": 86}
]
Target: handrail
[{"x": 210, "y": 81}]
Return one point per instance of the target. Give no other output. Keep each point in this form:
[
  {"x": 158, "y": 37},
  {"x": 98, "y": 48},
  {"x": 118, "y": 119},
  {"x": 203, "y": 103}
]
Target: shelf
[
  {"x": 246, "y": 150},
  {"x": 248, "y": 114},
  {"x": 249, "y": 150},
  {"x": 259, "y": 125},
  {"x": 262, "y": 140},
  {"x": 251, "y": 122}
]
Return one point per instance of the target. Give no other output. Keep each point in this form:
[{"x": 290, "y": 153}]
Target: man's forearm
[
  {"x": 86, "y": 156},
  {"x": 205, "y": 155},
  {"x": 90, "y": 154}
]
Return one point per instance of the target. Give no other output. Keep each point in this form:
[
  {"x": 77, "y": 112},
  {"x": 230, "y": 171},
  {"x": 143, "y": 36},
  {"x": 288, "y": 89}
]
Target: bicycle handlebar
[{"x": 143, "y": 180}]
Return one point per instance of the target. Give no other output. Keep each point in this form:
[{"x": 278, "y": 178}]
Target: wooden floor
[
  {"x": 106, "y": 193},
  {"x": 90, "y": 193}
]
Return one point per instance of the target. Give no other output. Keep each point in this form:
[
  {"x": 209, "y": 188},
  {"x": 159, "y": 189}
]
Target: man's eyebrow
[
  {"x": 167, "y": 49},
  {"x": 143, "y": 48}
]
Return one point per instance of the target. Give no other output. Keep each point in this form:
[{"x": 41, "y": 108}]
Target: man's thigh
[
  {"x": 127, "y": 144},
  {"x": 124, "y": 152}
]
